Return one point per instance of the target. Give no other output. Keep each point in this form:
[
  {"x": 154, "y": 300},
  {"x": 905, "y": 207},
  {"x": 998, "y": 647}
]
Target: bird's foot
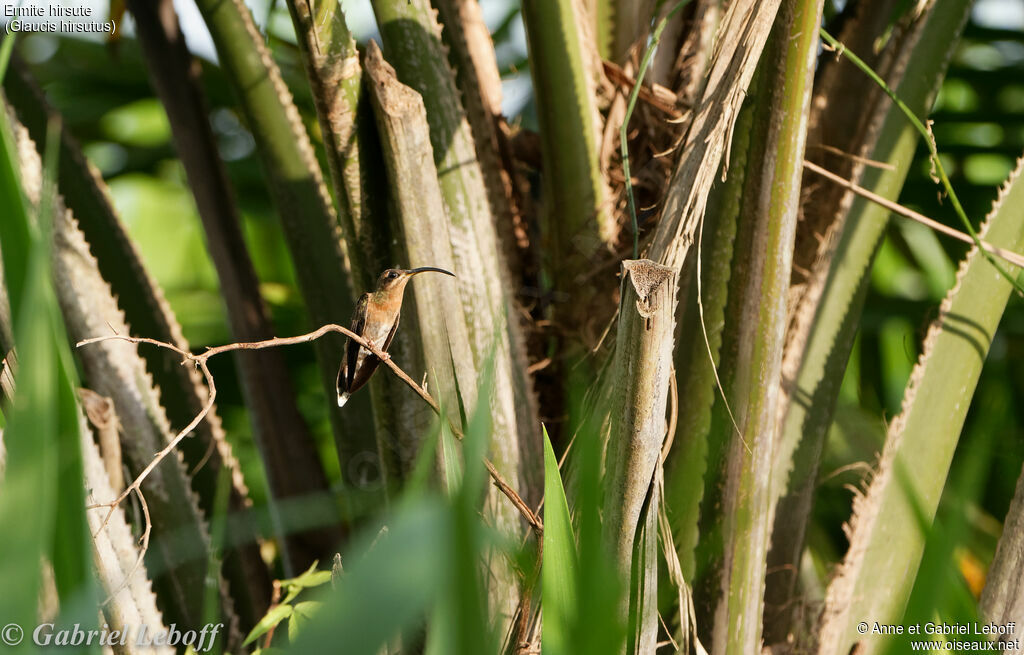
[{"x": 373, "y": 347}]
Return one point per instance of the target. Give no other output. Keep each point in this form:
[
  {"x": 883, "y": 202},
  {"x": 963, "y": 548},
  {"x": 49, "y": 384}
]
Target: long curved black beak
[{"x": 428, "y": 269}]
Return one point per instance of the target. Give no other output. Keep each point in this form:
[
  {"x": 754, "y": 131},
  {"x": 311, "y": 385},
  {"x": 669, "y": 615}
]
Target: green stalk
[
  {"x": 638, "y": 402},
  {"x": 579, "y": 222},
  {"x": 755, "y": 326},
  {"x": 693, "y": 455},
  {"x": 335, "y": 75}
]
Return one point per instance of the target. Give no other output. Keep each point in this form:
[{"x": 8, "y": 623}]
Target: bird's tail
[{"x": 342, "y": 398}]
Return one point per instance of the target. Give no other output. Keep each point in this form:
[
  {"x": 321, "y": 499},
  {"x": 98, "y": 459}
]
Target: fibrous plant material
[
  {"x": 474, "y": 61},
  {"x": 639, "y": 400},
  {"x": 743, "y": 33}
]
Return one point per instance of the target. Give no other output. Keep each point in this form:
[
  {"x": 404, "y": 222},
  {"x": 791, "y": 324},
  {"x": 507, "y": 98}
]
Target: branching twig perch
[{"x": 201, "y": 359}]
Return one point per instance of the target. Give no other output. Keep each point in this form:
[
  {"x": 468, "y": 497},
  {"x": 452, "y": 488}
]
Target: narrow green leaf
[
  {"x": 310, "y": 578},
  {"x": 29, "y": 444},
  {"x": 450, "y": 455},
  {"x": 6, "y": 48},
  {"x": 43, "y": 468},
  {"x": 460, "y": 622},
  {"x": 301, "y": 615},
  {"x": 274, "y": 616},
  {"x": 559, "y": 570}
]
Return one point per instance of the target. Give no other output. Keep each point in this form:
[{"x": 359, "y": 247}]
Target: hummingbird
[{"x": 376, "y": 320}]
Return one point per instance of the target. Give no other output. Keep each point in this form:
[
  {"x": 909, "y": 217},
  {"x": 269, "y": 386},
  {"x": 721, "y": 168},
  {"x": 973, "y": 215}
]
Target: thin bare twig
[
  {"x": 275, "y": 599},
  {"x": 852, "y": 157},
  {"x": 1007, "y": 255},
  {"x": 159, "y": 457},
  {"x": 201, "y": 359},
  {"x": 143, "y": 545}
]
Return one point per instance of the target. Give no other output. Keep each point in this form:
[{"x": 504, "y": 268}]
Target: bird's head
[{"x": 394, "y": 279}]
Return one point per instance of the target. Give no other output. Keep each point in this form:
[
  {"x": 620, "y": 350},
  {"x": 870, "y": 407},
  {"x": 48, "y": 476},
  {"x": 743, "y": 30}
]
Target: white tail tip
[{"x": 342, "y": 399}]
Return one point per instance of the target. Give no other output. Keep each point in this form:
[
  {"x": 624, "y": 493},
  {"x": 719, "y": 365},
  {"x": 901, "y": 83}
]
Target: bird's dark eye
[{"x": 392, "y": 274}]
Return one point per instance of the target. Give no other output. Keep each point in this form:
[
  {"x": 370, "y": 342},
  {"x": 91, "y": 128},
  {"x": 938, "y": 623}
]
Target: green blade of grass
[
  {"x": 459, "y": 625},
  {"x": 559, "y": 570}
]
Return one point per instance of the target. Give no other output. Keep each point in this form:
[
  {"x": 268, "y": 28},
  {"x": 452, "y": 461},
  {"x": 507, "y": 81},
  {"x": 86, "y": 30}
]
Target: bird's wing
[
  {"x": 391, "y": 334},
  {"x": 370, "y": 363},
  {"x": 347, "y": 372}
]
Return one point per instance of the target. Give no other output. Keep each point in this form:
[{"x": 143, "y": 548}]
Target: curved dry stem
[
  {"x": 200, "y": 360},
  {"x": 136, "y": 484},
  {"x": 143, "y": 542}
]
